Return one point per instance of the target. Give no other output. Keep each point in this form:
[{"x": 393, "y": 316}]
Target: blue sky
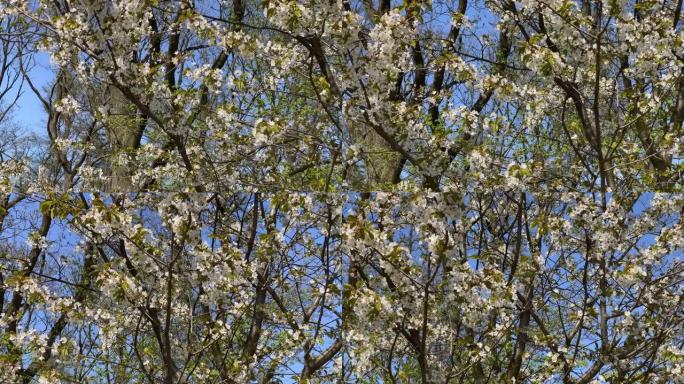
[{"x": 29, "y": 114}]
